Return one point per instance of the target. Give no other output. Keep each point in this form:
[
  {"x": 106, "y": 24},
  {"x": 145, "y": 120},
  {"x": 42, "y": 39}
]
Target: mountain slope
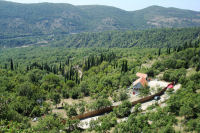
[
  {"x": 166, "y": 37},
  {"x": 48, "y": 18},
  {"x": 158, "y": 17}
]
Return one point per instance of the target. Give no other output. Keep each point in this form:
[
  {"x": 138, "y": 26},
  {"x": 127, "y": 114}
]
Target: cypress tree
[
  {"x": 6, "y": 66},
  {"x": 63, "y": 71},
  {"x": 27, "y": 68},
  {"x": 67, "y": 61},
  {"x": 11, "y": 64},
  {"x": 174, "y": 48},
  {"x": 185, "y": 45},
  {"x": 76, "y": 77},
  {"x": 65, "y": 77},
  {"x": 179, "y": 49},
  {"x": 60, "y": 67},
  {"x": 122, "y": 69},
  {"x": 126, "y": 66},
  {"x": 190, "y": 44},
  {"x": 159, "y": 51},
  {"x": 88, "y": 63},
  {"x": 101, "y": 58}
]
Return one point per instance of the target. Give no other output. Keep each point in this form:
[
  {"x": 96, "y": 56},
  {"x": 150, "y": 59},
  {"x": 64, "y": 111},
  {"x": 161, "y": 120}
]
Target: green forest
[
  {"x": 75, "y": 74},
  {"x": 154, "y": 38}
]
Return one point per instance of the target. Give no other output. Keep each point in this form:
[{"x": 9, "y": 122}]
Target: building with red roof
[{"x": 140, "y": 83}]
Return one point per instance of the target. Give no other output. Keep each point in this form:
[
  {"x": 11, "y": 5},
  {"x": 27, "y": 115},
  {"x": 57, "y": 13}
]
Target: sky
[{"x": 129, "y": 5}]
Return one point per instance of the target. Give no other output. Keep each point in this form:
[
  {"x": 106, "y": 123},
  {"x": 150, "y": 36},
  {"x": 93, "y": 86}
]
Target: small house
[{"x": 140, "y": 83}]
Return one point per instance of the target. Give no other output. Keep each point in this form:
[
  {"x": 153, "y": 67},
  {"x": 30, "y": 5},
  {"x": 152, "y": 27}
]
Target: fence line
[{"x": 110, "y": 108}]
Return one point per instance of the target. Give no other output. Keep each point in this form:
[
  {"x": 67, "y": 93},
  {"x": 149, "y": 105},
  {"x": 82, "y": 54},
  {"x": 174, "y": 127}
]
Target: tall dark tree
[
  {"x": 198, "y": 67},
  {"x": 76, "y": 78},
  {"x": 27, "y": 68},
  {"x": 190, "y": 44},
  {"x": 122, "y": 69},
  {"x": 179, "y": 48},
  {"x": 6, "y": 66},
  {"x": 174, "y": 49},
  {"x": 65, "y": 77},
  {"x": 60, "y": 67},
  {"x": 185, "y": 45},
  {"x": 126, "y": 66},
  {"x": 159, "y": 51},
  {"x": 67, "y": 61},
  {"x": 11, "y": 64}
]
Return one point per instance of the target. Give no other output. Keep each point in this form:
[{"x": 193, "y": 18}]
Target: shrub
[
  {"x": 74, "y": 94},
  {"x": 65, "y": 93},
  {"x": 71, "y": 111},
  {"x": 100, "y": 103},
  {"x": 36, "y": 111},
  {"x": 123, "y": 96},
  {"x": 123, "y": 110}
]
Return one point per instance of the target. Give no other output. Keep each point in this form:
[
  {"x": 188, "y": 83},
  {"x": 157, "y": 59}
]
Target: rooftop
[{"x": 141, "y": 75}]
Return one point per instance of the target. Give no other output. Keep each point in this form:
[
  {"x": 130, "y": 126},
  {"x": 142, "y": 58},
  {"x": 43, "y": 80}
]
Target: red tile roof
[
  {"x": 141, "y": 80},
  {"x": 141, "y": 75}
]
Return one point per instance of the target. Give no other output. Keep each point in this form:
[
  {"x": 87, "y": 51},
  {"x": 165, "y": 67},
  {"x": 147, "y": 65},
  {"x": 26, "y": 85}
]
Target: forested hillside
[
  {"x": 147, "y": 38},
  {"x": 167, "y": 37},
  {"x": 49, "y": 18},
  {"x": 60, "y": 61},
  {"x": 35, "y": 80}
]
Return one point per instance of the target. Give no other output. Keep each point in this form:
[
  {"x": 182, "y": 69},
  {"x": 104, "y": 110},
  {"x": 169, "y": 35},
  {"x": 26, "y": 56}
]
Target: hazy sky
[{"x": 129, "y": 5}]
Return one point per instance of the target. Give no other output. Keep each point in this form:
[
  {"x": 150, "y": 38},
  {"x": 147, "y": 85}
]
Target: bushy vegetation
[
  {"x": 34, "y": 81},
  {"x": 148, "y": 38}
]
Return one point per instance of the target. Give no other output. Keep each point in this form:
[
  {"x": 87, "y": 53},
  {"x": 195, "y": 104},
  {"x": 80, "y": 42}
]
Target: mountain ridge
[{"x": 53, "y": 18}]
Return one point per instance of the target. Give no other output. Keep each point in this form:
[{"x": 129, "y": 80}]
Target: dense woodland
[
  {"x": 35, "y": 77},
  {"x": 168, "y": 37},
  {"x": 157, "y": 38}
]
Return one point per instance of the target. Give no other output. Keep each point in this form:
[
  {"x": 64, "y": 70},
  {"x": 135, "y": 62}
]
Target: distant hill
[
  {"x": 48, "y": 18},
  {"x": 157, "y": 38}
]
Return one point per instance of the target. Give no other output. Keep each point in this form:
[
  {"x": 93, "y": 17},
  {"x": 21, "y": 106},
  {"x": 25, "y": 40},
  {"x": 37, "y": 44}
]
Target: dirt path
[{"x": 80, "y": 73}]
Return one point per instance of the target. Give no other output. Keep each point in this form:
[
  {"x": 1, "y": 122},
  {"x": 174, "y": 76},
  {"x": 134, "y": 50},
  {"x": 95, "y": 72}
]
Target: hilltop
[{"x": 49, "y": 18}]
